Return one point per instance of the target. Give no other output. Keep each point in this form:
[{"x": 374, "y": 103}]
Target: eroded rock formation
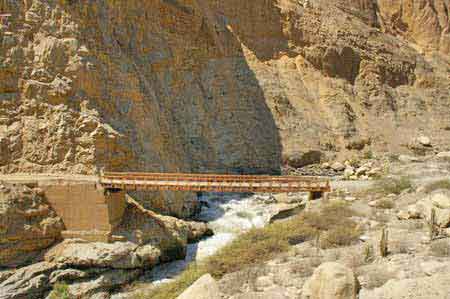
[{"x": 28, "y": 225}]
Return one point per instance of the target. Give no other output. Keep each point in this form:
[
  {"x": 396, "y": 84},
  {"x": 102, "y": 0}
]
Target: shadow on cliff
[{"x": 200, "y": 106}]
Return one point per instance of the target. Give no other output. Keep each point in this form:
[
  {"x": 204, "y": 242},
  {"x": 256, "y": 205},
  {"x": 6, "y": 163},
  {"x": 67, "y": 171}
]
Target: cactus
[
  {"x": 384, "y": 242},
  {"x": 433, "y": 231},
  {"x": 368, "y": 253}
]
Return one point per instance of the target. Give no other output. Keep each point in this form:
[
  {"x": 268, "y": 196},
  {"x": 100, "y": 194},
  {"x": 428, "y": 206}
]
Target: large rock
[
  {"x": 168, "y": 234},
  {"x": 104, "y": 282},
  {"x": 149, "y": 239},
  {"x": 298, "y": 160},
  {"x": 439, "y": 200},
  {"x": 27, "y": 225},
  {"x": 205, "y": 287},
  {"x": 28, "y": 283},
  {"x": 118, "y": 255},
  {"x": 338, "y": 166},
  {"x": 424, "y": 140},
  {"x": 283, "y": 210},
  {"x": 331, "y": 281},
  {"x": 443, "y": 155}
]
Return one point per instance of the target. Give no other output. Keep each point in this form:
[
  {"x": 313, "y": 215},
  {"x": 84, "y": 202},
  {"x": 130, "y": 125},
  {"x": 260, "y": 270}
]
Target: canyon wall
[{"x": 223, "y": 86}]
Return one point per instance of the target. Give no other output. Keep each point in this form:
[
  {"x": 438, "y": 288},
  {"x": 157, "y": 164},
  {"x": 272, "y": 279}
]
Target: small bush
[
  {"x": 368, "y": 155},
  {"x": 385, "y": 204},
  {"x": 394, "y": 158},
  {"x": 392, "y": 185},
  {"x": 340, "y": 236},
  {"x": 60, "y": 291},
  {"x": 440, "y": 248},
  {"x": 442, "y": 184}
]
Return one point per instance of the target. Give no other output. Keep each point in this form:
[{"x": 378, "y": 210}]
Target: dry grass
[
  {"x": 340, "y": 236},
  {"x": 385, "y": 203},
  {"x": 442, "y": 184},
  {"x": 392, "y": 185},
  {"x": 440, "y": 248},
  {"x": 260, "y": 245}
]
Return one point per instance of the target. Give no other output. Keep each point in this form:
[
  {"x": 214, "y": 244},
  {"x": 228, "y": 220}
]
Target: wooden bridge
[{"x": 212, "y": 182}]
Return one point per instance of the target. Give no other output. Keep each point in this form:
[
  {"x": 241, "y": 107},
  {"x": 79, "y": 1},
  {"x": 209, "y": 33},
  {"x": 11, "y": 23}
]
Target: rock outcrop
[{"x": 27, "y": 225}]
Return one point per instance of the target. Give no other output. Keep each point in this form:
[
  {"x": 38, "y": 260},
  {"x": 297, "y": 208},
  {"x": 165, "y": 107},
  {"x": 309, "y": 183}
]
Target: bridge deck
[{"x": 212, "y": 182}]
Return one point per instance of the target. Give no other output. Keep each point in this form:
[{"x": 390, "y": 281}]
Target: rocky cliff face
[
  {"x": 207, "y": 85},
  {"x": 28, "y": 225}
]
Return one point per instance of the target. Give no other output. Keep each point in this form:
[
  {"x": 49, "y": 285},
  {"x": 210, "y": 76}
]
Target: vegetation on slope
[{"x": 331, "y": 226}]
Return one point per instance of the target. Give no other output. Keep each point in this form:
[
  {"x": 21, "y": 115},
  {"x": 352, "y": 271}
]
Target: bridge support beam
[
  {"x": 88, "y": 211},
  {"x": 314, "y": 195}
]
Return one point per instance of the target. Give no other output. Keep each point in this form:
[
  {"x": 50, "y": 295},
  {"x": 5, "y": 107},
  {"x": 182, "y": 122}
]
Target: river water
[{"x": 228, "y": 215}]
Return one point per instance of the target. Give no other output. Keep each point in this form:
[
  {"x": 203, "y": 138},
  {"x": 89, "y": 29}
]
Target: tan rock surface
[
  {"x": 435, "y": 287},
  {"x": 204, "y": 288},
  {"x": 27, "y": 225}
]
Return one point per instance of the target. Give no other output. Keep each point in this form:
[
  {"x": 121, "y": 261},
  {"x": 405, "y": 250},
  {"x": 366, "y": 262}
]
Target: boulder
[
  {"x": 104, "y": 282},
  {"x": 325, "y": 165},
  {"x": 298, "y": 160},
  {"x": 331, "y": 281},
  {"x": 205, "y": 287},
  {"x": 338, "y": 166},
  {"x": 362, "y": 170},
  {"x": 348, "y": 172},
  {"x": 439, "y": 200},
  {"x": 283, "y": 211},
  {"x": 424, "y": 140},
  {"x": 118, "y": 255},
  {"x": 443, "y": 155},
  {"x": 28, "y": 282}
]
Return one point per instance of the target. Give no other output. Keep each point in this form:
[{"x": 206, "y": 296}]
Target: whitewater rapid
[{"x": 228, "y": 215}]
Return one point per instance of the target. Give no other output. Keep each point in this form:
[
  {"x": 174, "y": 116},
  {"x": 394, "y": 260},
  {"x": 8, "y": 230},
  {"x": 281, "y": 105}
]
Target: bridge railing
[
  {"x": 213, "y": 182},
  {"x": 207, "y": 177}
]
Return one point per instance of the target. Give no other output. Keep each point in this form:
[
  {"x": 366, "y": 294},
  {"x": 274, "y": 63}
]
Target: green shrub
[{"x": 60, "y": 291}]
